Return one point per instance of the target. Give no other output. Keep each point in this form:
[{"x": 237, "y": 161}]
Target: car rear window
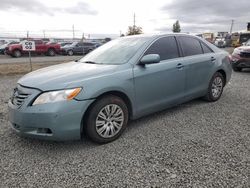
[
  {"x": 205, "y": 48},
  {"x": 190, "y": 46}
]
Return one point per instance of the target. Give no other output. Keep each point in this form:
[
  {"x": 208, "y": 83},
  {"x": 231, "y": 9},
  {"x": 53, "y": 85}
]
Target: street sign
[{"x": 28, "y": 45}]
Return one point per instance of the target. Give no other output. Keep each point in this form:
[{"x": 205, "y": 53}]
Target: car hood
[
  {"x": 67, "y": 47},
  {"x": 66, "y": 75},
  {"x": 3, "y": 46},
  {"x": 243, "y": 48}
]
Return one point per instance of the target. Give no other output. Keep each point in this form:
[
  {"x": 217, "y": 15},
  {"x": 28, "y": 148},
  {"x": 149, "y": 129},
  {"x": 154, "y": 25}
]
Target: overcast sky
[{"x": 56, "y": 17}]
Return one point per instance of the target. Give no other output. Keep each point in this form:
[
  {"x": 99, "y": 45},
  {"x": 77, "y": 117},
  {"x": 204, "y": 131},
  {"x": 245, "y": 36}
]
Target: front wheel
[
  {"x": 70, "y": 52},
  {"x": 215, "y": 88},
  {"x": 17, "y": 53},
  {"x": 237, "y": 69},
  {"x": 107, "y": 119}
]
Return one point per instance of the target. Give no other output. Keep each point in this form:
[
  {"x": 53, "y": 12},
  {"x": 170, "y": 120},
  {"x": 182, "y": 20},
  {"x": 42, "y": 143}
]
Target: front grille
[
  {"x": 19, "y": 96},
  {"x": 220, "y": 42},
  {"x": 245, "y": 54}
]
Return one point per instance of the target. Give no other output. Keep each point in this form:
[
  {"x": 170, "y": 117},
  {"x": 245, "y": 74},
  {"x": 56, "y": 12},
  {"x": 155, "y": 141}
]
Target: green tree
[
  {"x": 176, "y": 27},
  {"x": 134, "y": 30}
]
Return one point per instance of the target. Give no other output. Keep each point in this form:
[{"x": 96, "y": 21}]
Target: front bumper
[
  {"x": 241, "y": 63},
  {"x": 63, "y": 52},
  {"x": 55, "y": 121},
  {"x": 2, "y": 51}
]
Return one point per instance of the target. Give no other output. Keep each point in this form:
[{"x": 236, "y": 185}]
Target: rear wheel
[
  {"x": 17, "y": 53},
  {"x": 51, "y": 52},
  {"x": 215, "y": 88},
  {"x": 107, "y": 119}
]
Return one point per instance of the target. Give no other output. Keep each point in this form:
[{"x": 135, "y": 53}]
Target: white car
[{"x": 220, "y": 42}]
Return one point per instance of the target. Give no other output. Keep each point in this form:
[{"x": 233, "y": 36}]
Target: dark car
[
  {"x": 241, "y": 57},
  {"x": 4, "y": 46},
  {"x": 78, "y": 48}
]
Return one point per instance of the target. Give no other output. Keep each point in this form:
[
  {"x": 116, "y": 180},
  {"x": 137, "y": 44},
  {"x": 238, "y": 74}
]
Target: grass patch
[{"x": 23, "y": 68}]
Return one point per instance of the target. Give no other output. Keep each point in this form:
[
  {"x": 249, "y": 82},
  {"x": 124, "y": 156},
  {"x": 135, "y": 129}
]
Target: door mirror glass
[{"x": 150, "y": 59}]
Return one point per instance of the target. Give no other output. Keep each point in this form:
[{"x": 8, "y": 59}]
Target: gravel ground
[{"x": 197, "y": 144}]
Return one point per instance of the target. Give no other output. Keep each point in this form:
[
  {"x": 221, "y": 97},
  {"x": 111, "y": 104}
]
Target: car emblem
[{"x": 15, "y": 93}]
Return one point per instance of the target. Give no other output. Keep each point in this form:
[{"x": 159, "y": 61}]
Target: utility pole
[
  {"x": 232, "y": 24},
  {"x": 73, "y": 30},
  {"x": 44, "y": 34},
  {"x": 27, "y": 34},
  {"x": 134, "y": 25},
  {"x": 83, "y": 37}
]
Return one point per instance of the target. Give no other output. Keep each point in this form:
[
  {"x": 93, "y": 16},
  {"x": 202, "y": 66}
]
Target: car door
[
  {"x": 39, "y": 46},
  {"x": 78, "y": 48},
  {"x": 199, "y": 60},
  {"x": 160, "y": 84}
]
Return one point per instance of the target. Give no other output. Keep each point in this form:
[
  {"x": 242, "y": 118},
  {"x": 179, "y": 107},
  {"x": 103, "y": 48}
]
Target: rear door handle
[
  {"x": 179, "y": 66},
  {"x": 213, "y": 58}
]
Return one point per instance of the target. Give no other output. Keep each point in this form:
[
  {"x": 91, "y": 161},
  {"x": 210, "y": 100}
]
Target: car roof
[{"x": 158, "y": 35}]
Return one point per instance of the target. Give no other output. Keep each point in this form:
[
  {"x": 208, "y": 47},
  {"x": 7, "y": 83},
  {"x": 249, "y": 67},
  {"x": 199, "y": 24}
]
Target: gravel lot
[{"x": 197, "y": 144}]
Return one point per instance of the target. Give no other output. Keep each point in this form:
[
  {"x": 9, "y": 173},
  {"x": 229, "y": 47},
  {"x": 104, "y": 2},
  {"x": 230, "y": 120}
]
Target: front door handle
[
  {"x": 179, "y": 66},
  {"x": 213, "y": 58}
]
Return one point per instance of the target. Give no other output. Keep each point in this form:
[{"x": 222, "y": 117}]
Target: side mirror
[
  {"x": 244, "y": 44},
  {"x": 150, "y": 59}
]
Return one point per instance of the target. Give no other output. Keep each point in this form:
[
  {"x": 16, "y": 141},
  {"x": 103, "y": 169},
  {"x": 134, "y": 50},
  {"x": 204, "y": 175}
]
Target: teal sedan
[{"x": 124, "y": 79}]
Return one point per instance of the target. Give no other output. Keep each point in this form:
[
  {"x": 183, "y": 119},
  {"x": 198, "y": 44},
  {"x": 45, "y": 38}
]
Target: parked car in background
[
  {"x": 241, "y": 57},
  {"x": 124, "y": 79},
  {"x": 208, "y": 37},
  {"x": 78, "y": 48},
  {"x": 50, "y": 49},
  {"x": 220, "y": 42},
  {"x": 4, "y": 46}
]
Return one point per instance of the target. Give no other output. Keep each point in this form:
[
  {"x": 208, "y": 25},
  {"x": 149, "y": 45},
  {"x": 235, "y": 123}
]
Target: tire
[
  {"x": 17, "y": 53},
  {"x": 215, "y": 88},
  {"x": 101, "y": 125},
  {"x": 237, "y": 69},
  {"x": 70, "y": 52},
  {"x": 51, "y": 52}
]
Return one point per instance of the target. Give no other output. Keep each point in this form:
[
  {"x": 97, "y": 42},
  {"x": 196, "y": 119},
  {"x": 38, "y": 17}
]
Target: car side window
[
  {"x": 166, "y": 47},
  {"x": 205, "y": 48},
  {"x": 190, "y": 46}
]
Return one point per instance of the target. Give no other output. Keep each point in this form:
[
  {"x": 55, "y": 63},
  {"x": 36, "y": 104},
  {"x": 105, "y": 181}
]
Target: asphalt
[{"x": 197, "y": 144}]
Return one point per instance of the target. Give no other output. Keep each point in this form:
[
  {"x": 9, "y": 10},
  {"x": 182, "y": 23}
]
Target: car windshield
[
  {"x": 116, "y": 52},
  {"x": 71, "y": 45},
  {"x": 248, "y": 43}
]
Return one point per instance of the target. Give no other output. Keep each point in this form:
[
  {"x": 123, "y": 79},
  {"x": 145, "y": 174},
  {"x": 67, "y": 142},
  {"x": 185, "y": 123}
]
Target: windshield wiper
[{"x": 89, "y": 62}]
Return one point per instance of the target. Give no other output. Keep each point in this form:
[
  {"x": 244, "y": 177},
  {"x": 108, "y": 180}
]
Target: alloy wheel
[
  {"x": 217, "y": 87},
  {"x": 109, "y": 120}
]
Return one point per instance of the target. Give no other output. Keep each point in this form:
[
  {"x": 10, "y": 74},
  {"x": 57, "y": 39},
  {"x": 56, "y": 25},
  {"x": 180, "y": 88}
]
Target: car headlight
[{"x": 55, "y": 96}]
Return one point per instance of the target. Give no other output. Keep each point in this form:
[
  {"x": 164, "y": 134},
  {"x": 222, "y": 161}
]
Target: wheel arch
[
  {"x": 223, "y": 74},
  {"x": 51, "y": 48}
]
